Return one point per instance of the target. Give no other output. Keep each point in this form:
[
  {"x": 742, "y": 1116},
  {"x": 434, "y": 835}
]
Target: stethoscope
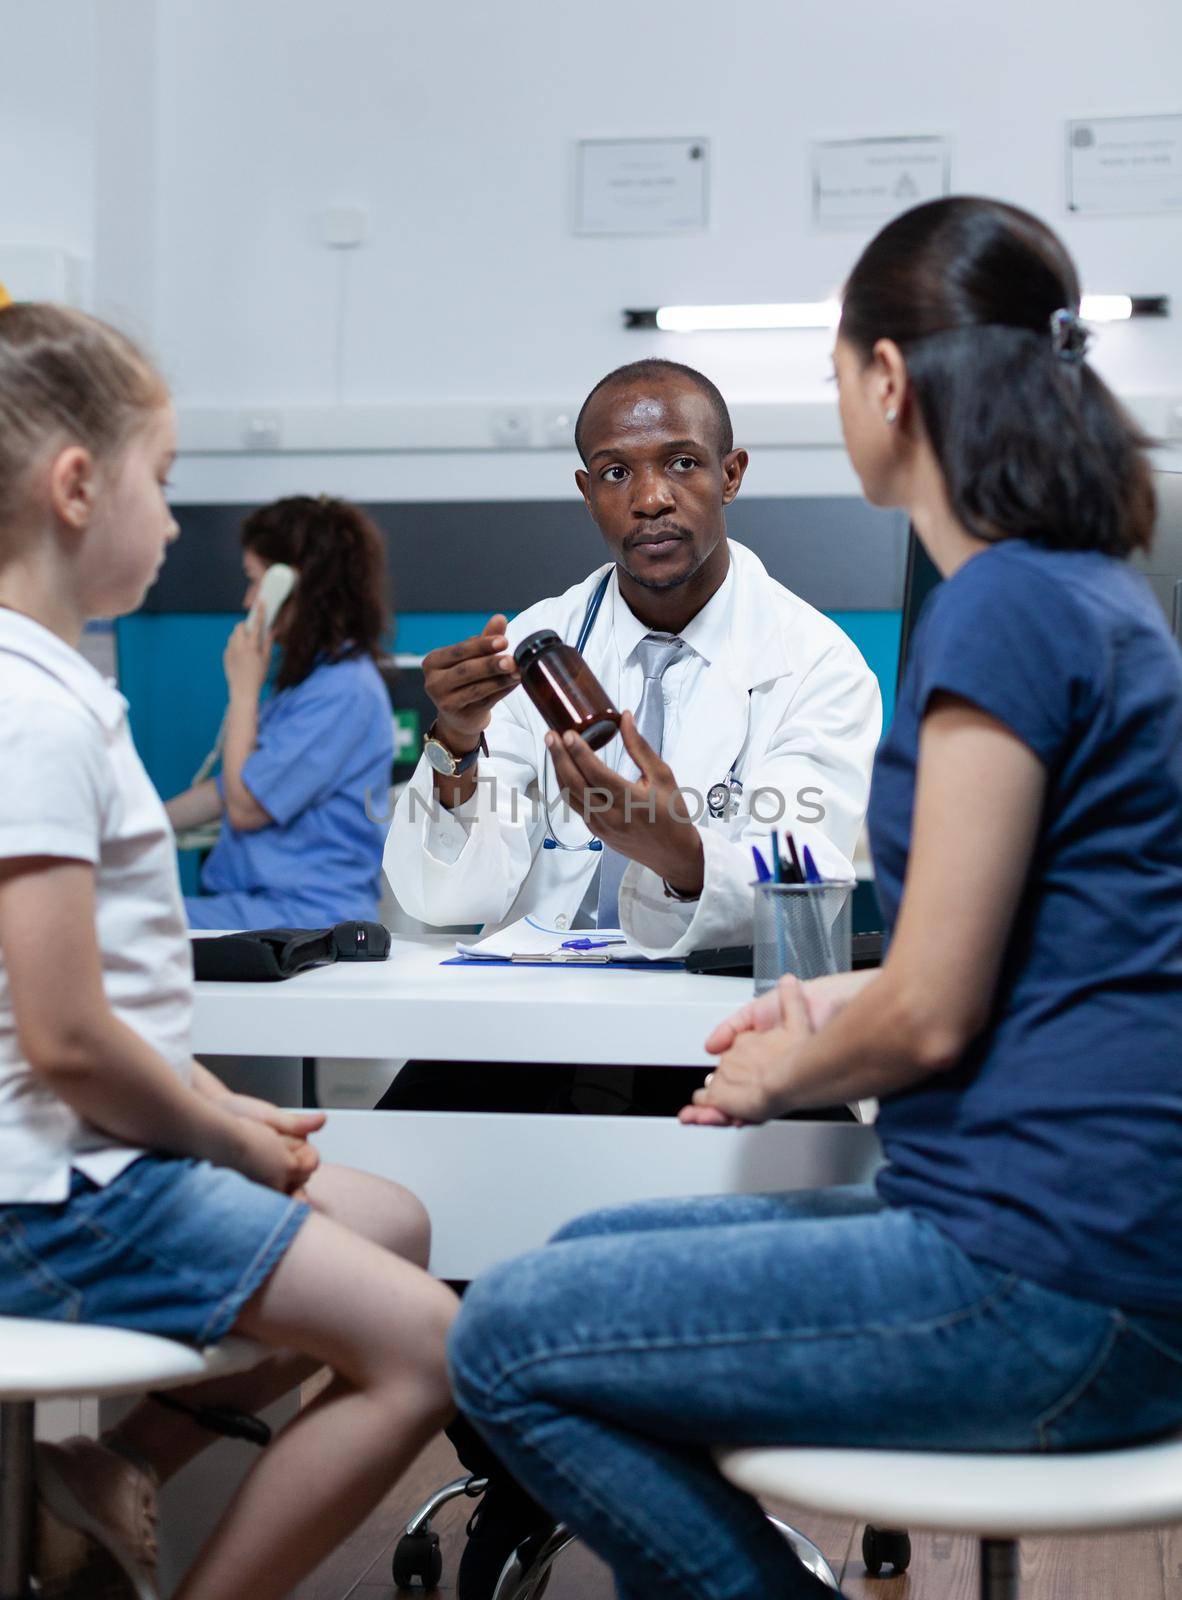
[{"x": 722, "y": 799}]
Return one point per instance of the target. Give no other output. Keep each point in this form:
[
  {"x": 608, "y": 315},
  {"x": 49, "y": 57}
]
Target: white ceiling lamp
[
  {"x": 789, "y": 315},
  {"x": 716, "y": 319},
  {"x": 1106, "y": 307}
]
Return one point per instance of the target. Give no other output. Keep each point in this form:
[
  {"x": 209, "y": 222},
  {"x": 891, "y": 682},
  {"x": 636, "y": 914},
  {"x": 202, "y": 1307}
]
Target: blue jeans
[{"x": 604, "y": 1367}]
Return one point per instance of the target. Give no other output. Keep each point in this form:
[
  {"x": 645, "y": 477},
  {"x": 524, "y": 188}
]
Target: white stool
[
  {"x": 73, "y": 1361},
  {"x": 1000, "y": 1498}
]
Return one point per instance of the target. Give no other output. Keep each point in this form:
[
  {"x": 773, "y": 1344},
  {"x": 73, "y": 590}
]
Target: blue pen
[
  {"x": 812, "y": 876},
  {"x": 777, "y": 920},
  {"x": 589, "y": 944},
  {"x": 762, "y": 875}
]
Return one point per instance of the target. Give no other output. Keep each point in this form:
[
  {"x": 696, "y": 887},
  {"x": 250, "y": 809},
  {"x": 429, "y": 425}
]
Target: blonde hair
[{"x": 65, "y": 375}]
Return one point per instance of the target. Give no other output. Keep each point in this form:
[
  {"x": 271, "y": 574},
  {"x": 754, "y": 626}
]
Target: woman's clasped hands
[{"x": 753, "y": 1081}]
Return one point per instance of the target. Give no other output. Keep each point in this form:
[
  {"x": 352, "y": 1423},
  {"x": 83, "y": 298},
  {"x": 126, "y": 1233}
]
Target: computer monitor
[
  {"x": 412, "y": 711},
  {"x": 920, "y": 578},
  {"x": 1162, "y": 566}
]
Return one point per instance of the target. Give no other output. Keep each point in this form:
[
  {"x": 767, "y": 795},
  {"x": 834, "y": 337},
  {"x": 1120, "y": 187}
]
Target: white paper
[
  {"x": 1125, "y": 164},
  {"x": 867, "y": 181},
  {"x": 532, "y": 940},
  {"x": 642, "y": 186}
]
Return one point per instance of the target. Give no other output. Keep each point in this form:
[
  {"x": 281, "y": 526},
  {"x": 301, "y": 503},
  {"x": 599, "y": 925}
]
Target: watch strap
[{"x": 462, "y": 763}]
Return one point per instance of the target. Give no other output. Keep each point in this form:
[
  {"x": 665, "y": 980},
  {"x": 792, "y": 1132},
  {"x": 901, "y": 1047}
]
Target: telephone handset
[{"x": 275, "y": 586}]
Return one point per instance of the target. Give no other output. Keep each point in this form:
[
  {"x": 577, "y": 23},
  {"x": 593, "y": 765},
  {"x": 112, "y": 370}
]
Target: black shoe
[{"x": 504, "y": 1518}]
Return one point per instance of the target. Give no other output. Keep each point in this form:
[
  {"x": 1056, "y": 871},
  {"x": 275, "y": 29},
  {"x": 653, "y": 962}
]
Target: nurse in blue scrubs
[{"x": 307, "y": 756}]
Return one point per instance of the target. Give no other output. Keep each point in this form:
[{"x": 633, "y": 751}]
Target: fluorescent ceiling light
[
  {"x": 826, "y": 314},
  {"x": 1120, "y": 307},
  {"x": 712, "y": 319},
  {"x": 1106, "y": 307}
]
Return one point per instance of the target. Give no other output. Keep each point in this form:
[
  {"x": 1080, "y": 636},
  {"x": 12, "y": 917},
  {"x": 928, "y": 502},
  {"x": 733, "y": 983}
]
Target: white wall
[
  {"x": 224, "y": 127},
  {"x": 46, "y": 129},
  {"x": 127, "y": 171}
]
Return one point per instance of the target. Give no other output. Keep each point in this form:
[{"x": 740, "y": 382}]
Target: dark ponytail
[
  {"x": 1031, "y": 442},
  {"x": 339, "y": 607}
]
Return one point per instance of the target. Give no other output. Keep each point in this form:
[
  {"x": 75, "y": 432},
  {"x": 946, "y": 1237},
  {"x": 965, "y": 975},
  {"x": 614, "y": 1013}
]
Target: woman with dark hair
[
  {"x": 1013, "y": 1280},
  {"x": 306, "y": 770}
]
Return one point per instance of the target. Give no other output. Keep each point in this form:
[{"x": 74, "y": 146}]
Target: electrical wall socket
[
  {"x": 559, "y": 428},
  {"x": 1174, "y": 420},
  {"x": 262, "y": 432},
  {"x": 35, "y": 272},
  {"x": 512, "y": 427},
  {"x": 344, "y": 227}
]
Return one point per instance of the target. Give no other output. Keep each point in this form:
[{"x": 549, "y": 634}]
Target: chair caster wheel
[
  {"x": 886, "y": 1547},
  {"x": 417, "y": 1559},
  {"x": 522, "y": 1566}
]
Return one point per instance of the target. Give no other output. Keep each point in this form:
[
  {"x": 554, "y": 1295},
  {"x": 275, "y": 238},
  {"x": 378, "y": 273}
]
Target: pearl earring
[{"x": 892, "y": 416}]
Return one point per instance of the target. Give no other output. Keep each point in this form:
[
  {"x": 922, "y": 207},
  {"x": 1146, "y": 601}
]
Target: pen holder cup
[{"x": 802, "y": 928}]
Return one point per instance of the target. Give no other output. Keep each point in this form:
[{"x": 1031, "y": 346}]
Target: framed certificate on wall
[
  {"x": 860, "y": 183},
  {"x": 639, "y": 186},
  {"x": 1124, "y": 164}
]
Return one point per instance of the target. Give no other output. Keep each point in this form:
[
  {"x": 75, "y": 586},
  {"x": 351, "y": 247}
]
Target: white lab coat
[{"x": 789, "y": 699}]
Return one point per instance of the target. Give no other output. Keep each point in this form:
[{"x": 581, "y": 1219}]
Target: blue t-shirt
[
  {"x": 1054, "y": 1148},
  {"x": 321, "y": 769}
]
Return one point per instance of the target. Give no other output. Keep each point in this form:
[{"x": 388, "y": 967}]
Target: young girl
[
  {"x": 305, "y": 774},
  {"x": 1014, "y": 1282},
  {"x": 134, "y": 1190}
]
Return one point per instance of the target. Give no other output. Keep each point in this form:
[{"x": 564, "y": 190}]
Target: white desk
[
  {"x": 413, "y": 1006},
  {"x": 497, "y": 1185}
]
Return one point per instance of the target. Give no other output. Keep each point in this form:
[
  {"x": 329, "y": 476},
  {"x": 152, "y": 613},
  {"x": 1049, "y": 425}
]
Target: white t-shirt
[{"x": 72, "y": 786}]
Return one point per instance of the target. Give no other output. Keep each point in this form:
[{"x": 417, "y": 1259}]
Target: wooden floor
[{"x": 1142, "y": 1566}]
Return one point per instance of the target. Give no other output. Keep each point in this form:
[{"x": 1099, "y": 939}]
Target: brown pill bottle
[{"x": 569, "y": 696}]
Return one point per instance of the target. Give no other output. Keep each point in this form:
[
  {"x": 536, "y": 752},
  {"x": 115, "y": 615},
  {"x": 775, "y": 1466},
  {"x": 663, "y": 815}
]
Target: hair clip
[{"x": 1069, "y": 336}]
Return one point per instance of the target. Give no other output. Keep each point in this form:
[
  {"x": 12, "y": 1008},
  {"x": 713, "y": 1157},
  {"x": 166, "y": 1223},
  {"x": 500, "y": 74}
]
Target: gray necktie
[{"x": 657, "y": 652}]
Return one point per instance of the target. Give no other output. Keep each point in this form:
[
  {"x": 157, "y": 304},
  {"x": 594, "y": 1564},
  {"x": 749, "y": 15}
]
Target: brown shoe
[
  {"x": 68, "y": 1565},
  {"x": 96, "y": 1523}
]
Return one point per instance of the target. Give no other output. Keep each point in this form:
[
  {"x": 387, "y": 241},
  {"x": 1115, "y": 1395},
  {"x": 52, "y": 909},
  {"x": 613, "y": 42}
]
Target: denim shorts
[{"x": 171, "y": 1246}]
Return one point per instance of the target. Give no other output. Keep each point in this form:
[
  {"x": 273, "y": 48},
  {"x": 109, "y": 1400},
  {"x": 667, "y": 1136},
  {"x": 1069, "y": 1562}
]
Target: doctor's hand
[
  {"x": 644, "y": 818},
  {"x": 753, "y": 1080},
  {"x": 464, "y": 682},
  {"x": 246, "y": 658}
]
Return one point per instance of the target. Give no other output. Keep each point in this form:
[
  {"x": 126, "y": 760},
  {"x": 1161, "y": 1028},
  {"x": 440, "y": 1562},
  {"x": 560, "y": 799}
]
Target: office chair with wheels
[
  {"x": 527, "y": 1572},
  {"x": 419, "y": 1561}
]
